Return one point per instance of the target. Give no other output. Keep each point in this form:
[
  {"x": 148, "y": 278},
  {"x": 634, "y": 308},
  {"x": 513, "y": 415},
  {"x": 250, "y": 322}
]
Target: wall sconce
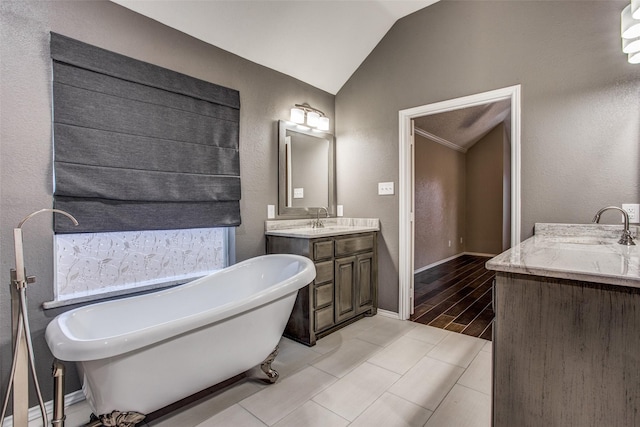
[
  {"x": 314, "y": 117},
  {"x": 630, "y": 31}
]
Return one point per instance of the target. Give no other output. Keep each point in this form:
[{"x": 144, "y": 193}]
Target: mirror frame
[{"x": 303, "y": 212}]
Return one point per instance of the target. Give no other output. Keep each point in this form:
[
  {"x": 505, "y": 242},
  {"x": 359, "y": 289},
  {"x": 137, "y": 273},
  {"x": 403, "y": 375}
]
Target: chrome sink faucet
[
  {"x": 318, "y": 223},
  {"x": 626, "y": 238}
]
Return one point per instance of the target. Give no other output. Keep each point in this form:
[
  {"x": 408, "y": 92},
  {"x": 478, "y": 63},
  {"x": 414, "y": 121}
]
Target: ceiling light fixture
[
  {"x": 630, "y": 31},
  {"x": 314, "y": 117}
]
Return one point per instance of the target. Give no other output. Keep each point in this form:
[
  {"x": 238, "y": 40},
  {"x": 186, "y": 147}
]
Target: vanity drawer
[
  {"x": 353, "y": 245},
  {"x": 324, "y": 272},
  {"x": 323, "y": 249},
  {"x": 323, "y": 295},
  {"x": 323, "y": 318}
]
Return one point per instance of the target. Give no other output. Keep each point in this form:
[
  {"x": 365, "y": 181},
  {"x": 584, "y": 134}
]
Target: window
[{"x": 90, "y": 264}]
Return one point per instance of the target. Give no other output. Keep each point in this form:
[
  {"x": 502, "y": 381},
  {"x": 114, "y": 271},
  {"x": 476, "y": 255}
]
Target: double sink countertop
[
  {"x": 332, "y": 227},
  {"x": 585, "y": 252}
]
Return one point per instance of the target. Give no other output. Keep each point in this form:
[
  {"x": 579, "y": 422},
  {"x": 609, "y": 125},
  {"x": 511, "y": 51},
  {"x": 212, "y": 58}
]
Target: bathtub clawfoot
[
  {"x": 116, "y": 419},
  {"x": 201, "y": 333},
  {"x": 266, "y": 366}
]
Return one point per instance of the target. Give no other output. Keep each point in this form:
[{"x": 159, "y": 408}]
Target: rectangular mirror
[{"x": 306, "y": 175}]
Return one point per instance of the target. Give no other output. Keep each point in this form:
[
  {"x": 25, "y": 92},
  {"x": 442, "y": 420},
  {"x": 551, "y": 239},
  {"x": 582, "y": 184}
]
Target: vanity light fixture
[
  {"x": 630, "y": 31},
  {"x": 314, "y": 118}
]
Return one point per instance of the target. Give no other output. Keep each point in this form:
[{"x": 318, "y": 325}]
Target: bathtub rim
[{"x": 65, "y": 346}]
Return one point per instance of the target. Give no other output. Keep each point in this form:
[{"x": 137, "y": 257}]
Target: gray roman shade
[{"x": 140, "y": 147}]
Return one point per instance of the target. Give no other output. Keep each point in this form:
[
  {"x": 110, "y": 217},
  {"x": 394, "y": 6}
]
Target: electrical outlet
[
  {"x": 633, "y": 209},
  {"x": 271, "y": 211},
  {"x": 385, "y": 188},
  {"x": 340, "y": 211}
]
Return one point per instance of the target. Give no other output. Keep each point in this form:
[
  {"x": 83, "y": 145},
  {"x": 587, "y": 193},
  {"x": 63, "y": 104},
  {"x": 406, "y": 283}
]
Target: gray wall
[
  {"x": 483, "y": 217},
  {"x": 25, "y": 131},
  {"x": 440, "y": 190},
  {"x": 580, "y": 109}
]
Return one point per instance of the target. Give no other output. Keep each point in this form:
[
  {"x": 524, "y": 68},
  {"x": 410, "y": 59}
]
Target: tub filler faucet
[
  {"x": 626, "y": 238},
  {"x": 23, "y": 360},
  {"x": 318, "y": 223}
]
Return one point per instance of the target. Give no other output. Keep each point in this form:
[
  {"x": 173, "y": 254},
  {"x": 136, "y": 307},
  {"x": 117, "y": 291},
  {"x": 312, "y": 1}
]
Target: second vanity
[
  {"x": 345, "y": 289},
  {"x": 566, "y": 334}
]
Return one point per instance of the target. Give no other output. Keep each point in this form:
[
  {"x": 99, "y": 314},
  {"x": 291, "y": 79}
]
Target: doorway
[{"x": 407, "y": 178}]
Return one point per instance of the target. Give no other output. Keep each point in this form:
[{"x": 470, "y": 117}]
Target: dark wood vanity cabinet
[
  {"x": 565, "y": 352},
  {"x": 346, "y": 284}
]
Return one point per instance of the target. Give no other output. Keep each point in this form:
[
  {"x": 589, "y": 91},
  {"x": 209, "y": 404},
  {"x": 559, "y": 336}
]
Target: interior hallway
[{"x": 456, "y": 296}]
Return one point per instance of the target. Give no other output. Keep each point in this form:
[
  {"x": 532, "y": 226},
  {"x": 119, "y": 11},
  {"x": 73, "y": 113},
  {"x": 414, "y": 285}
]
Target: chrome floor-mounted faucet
[
  {"x": 23, "y": 357},
  {"x": 626, "y": 238}
]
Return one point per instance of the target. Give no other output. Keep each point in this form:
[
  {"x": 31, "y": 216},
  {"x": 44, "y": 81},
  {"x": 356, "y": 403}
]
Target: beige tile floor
[{"x": 378, "y": 371}]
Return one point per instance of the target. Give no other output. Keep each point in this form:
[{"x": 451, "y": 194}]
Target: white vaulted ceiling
[{"x": 321, "y": 42}]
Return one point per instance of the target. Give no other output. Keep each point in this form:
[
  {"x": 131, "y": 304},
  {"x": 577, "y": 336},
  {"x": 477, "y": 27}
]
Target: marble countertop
[
  {"x": 586, "y": 252},
  {"x": 332, "y": 227}
]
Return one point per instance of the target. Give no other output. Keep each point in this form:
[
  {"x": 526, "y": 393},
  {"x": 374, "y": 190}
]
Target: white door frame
[{"x": 406, "y": 179}]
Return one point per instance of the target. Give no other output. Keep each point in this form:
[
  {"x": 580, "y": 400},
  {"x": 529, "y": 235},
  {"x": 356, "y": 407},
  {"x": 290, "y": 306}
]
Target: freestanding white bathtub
[{"x": 140, "y": 354}]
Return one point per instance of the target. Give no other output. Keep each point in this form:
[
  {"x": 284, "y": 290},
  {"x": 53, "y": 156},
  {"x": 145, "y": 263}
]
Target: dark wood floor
[{"x": 456, "y": 296}]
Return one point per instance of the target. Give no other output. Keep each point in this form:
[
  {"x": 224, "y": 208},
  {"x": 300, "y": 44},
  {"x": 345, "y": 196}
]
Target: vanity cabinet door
[
  {"x": 365, "y": 280},
  {"x": 345, "y": 282},
  {"x": 355, "y": 283}
]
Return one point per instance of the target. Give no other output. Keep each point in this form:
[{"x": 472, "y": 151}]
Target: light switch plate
[{"x": 385, "y": 188}]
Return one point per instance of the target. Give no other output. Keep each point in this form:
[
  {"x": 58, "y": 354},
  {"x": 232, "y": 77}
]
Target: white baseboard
[
  {"x": 387, "y": 313},
  {"x": 34, "y": 416},
  {"x": 442, "y": 261},
  {"x": 480, "y": 254}
]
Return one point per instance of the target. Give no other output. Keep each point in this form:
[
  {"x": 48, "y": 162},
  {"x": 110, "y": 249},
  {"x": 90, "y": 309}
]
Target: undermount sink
[
  {"x": 327, "y": 229},
  {"x": 583, "y": 240},
  {"x": 331, "y": 227}
]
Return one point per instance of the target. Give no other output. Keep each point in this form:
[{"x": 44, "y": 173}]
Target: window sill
[{"x": 48, "y": 305}]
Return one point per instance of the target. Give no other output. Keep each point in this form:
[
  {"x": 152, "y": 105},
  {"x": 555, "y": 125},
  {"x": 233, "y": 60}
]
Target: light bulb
[
  {"x": 312, "y": 119},
  {"x": 634, "y": 58},
  {"x": 629, "y": 27},
  {"x": 297, "y": 115},
  {"x": 631, "y": 45},
  {"x": 635, "y": 9},
  {"x": 323, "y": 123}
]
